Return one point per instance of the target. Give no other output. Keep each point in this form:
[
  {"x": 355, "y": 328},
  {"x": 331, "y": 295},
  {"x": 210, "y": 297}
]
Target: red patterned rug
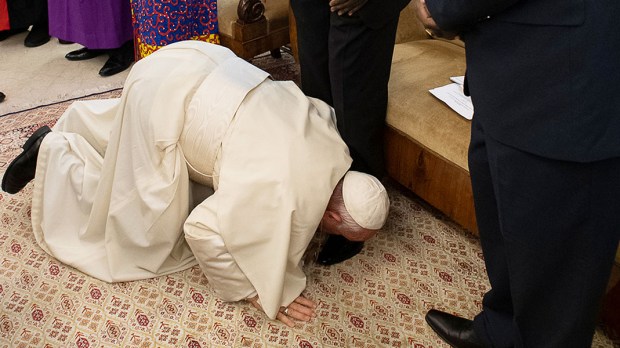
[{"x": 377, "y": 299}]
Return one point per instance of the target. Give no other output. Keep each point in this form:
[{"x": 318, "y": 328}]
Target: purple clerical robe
[{"x": 101, "y": 24}]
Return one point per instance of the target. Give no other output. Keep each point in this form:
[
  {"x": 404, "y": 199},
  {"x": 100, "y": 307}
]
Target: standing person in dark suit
[
  {"x": 345, "y": 55},
  {"x": 544, "y": 160}
]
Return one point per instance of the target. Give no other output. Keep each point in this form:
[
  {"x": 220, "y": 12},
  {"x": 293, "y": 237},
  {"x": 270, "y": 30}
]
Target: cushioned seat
[
  {"x": 426, "y": 141},
  {"x": 428, "y": 64},
  {"x": 250, "y": 27}
]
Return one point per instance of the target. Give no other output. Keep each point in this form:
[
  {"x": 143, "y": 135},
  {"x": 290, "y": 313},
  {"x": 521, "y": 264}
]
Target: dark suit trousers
[
  {"x": 24, "y": 13},
  {"x": 347, "y": 64},
  {"x": 549, "y": 231}
]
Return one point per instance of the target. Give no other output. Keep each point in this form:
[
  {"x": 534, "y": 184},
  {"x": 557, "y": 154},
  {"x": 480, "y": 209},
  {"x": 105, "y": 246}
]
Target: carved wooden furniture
[{"x": 251, "y": 27}]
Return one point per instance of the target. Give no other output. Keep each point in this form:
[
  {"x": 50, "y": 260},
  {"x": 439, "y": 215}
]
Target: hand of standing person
[
  {"x": 429, "y": 23},
  {"x": 348, "y": 7}
]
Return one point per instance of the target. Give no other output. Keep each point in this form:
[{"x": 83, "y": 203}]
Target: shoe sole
[
  {"x": 32, "y": 44},
  {"x": 33, "y": 139},
  {"x": 35, "y": 136}
]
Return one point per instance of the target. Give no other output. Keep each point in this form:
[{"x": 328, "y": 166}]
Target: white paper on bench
[{"x": 454, "y": 97}]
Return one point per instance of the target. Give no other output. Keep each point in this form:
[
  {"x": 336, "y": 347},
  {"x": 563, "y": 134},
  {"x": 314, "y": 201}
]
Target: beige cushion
[
  {"x": 418, "y": 66},
  {"x": 276, "y": 13}
]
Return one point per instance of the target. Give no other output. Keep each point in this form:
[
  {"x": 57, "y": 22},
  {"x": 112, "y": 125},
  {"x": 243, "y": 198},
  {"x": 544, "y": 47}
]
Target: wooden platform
[{"x": 442, "y": 184}]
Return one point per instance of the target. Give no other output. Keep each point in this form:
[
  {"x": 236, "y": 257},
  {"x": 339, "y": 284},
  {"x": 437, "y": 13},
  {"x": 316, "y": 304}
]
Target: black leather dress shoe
[
  {"x": 38, "y": 35},
  {"x": 337, "y": 249},
  {"x": 2, "y": 96},
  {"x": 84, "y": 54},
  {"x": 456, "y": 331},
  {"x": 21, "y": 171},
  {"x": 120, "y": 59}
]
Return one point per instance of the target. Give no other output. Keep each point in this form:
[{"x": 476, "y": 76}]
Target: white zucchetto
[{"x": 366, "y": 199}]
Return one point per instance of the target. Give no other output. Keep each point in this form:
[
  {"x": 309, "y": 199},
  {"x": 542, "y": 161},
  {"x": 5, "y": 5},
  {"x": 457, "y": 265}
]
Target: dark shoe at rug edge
[
  {"x": 83, "y": 53},
  {"x": 456, "y": 331},
  {"x": 113, "y": 66},
  {"x": 338, "y": 249},
  {"x": 37, "y": 36},
  {"x": 120, "y": 60},
  {"x": 22, "y": 169}
]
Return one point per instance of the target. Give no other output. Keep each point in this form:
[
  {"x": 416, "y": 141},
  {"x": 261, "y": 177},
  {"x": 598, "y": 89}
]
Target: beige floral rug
[{"x": 377, "y": 299}]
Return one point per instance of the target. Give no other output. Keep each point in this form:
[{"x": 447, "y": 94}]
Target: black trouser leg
[
  {"x": 312, "y": 19},
  {"x": 497, "y": 303},
  {"x": 360, "y": 59},
  {"x": 550, "y": 253}
]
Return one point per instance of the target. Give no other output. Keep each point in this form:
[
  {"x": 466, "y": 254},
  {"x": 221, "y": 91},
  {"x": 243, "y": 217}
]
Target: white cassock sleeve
[{"x": 203, "y": 236}]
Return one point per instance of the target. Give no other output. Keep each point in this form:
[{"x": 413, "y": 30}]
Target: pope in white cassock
[{"x": 113, "y": 196}]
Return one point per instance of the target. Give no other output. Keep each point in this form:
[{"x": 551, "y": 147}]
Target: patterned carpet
[{"x": 377, "y": 299}]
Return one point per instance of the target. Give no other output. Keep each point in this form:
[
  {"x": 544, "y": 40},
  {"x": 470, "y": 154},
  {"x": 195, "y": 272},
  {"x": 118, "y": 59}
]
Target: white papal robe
[{"x": 112, "y": 192}]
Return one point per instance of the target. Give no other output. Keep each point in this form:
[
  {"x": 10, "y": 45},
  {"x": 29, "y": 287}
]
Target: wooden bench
[
  {"x": 426, "y": 141},
  {"x": 251, "y": 27}
]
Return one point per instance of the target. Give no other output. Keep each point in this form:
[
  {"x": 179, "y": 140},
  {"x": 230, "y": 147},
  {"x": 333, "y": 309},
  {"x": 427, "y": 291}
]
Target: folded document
[{"x": 454, "y": 97}]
